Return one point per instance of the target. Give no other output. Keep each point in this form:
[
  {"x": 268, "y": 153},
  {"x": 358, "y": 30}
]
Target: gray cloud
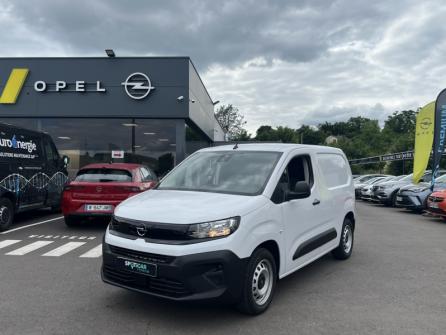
[{"x": 281, "y": 62}]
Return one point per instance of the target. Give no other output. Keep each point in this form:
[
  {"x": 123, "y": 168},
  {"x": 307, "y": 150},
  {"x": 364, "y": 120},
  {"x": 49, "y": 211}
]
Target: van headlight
[{"x": 213, "y": 229}]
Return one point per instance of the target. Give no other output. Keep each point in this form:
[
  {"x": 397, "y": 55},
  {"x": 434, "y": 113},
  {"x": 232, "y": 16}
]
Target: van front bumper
[{"x": 210, "y": 275}]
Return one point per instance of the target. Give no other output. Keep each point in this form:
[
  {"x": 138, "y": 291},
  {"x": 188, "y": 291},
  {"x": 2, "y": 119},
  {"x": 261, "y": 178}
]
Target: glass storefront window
[
  {"x": 195, "y": 140},
  {"x": 147, "y": 141}
]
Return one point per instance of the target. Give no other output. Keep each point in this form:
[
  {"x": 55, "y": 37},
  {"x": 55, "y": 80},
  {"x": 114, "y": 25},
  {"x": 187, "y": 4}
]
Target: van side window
[
  {"x": 298, "y": 169},
  {"x": 334, "y": 169},
  {"x": 281, "y": 189},
  {"x": 48, "y": 151}
]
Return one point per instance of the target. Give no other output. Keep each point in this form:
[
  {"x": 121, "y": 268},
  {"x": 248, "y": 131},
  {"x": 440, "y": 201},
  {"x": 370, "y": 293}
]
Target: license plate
[
  {"x": 433, "y": 205},
  {"x": 399, "y": 198},
  {"x": 147, "y": 269},
  {"x": 98, "y": 208}
]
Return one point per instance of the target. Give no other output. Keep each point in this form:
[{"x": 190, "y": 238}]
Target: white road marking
[
  {"x": 62, "y": 250},
  {"x": 6, "y": 243},
  {"x": 93, "y": 253},
  {"x": 29, "y": 248},
  {"x": 30, "y": 225}
]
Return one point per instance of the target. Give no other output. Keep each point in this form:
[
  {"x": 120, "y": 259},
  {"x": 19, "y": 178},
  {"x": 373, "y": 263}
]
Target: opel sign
[{"x": 137, "y": 86}]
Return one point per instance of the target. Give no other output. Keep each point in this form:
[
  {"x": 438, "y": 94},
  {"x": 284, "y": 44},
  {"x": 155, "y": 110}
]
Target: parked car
[
  {"x": 98, "y": 188},
  {"x": 364, "y": 178},
  {"x": 32, "y": 173},
  {"x": 414, "y": 196},
  {"x": 229, "y": 221},
  {"x": 366, "y": 191},
  {"x": 386, "y": 193},
  {"x": 376, "y": 186},
  {"x": 364, "y": 181},
  {"x": 436, "y": 204}
]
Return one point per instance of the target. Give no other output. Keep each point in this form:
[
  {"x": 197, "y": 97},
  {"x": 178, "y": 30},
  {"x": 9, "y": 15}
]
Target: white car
[{"x": 229, "y": 221}]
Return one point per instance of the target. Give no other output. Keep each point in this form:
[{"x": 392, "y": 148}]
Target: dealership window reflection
[{"x": 147, "y": 141}]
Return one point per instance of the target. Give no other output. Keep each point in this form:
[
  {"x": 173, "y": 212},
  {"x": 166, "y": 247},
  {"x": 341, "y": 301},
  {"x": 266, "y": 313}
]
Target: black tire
[
  {"x": 260, "y": 260},
  {"x": 345, "y": 247},
  {"x": 393, "y": 201},
  {"x": 71, "y": 221},
  {"x": 6, "y": 214}
]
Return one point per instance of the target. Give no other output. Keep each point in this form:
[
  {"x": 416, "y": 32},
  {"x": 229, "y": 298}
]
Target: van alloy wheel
[{"x": 262, "y": 282}]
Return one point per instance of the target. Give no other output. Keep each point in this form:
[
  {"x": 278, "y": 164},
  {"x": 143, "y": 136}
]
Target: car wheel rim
[
  {"x": 262, "y": 282},
  {"x": 347, "y": 239},
  {"x": 4, "y": 215}
]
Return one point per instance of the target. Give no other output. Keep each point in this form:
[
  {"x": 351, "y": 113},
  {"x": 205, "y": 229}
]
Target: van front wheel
[
  {"x": 259, "y": 283},
  {"x": 6, "y": 213},
  {"x": 345, "y": 247}
]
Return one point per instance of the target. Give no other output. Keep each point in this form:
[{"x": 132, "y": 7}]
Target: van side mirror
[
  {"x": 301, "y": 190},
  {"x": 66, "y": 160}
]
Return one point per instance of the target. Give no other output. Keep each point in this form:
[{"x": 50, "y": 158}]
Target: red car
[
  {"x": 99, "y": 188},
  {"x": 436, "y": 204}
]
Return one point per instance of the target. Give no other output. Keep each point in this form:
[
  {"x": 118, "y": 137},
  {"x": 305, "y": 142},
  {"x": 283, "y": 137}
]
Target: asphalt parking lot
[{"x": 394, "y": 283}]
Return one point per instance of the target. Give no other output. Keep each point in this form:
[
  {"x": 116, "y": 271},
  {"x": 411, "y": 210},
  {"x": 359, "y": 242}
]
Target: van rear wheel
[
  {"x": 345, "y": 247},
  {"x": 6, "y": 213},
  {"x": 259, "y": 283}
]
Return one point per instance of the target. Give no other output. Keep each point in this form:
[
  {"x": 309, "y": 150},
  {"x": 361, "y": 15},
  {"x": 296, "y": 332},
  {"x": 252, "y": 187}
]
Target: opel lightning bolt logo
[
  {"x": 137, "y": 85},
  {"x": 425, "y": 123},
  {"x": 141, "y": 230}
]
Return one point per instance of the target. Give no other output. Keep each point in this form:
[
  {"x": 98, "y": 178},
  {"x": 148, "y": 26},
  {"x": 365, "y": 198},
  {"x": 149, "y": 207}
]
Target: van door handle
[{"x": 316, "y": 202}]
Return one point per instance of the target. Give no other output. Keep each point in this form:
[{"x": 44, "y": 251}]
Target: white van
[{"x": 229, "y": 221}]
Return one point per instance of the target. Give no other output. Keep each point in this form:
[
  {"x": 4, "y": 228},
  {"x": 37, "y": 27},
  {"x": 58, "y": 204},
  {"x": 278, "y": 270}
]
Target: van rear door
[{"x": 55, "y": 170}]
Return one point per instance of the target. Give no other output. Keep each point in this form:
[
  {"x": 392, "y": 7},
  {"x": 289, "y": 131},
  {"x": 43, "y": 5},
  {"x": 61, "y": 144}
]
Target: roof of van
[{"x": 280, "y": 147}]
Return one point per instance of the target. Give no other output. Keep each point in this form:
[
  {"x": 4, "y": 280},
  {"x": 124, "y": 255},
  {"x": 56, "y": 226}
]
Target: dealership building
[{"x": 153, "y": 110}]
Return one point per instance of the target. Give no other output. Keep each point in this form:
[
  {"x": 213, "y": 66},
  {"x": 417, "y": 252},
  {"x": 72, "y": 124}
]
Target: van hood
[{"x": 186, "y": 207}]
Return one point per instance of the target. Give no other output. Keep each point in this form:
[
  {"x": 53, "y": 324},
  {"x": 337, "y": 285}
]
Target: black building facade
[{"x": 153, "y": 110}]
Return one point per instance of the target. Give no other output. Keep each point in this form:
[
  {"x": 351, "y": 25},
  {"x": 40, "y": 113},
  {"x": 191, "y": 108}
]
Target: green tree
[
  {"x": 399, "y": 135},
  {"x": 310, "y": 135},
  {"x": 242, "y": 136},
  {"x": 231, "y": 120},
  {"x": 266, "y": 133},
  {"x": 286, "y": 134}
]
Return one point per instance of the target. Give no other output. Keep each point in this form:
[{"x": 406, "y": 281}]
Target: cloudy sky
[{"x": 281, "y": 62}]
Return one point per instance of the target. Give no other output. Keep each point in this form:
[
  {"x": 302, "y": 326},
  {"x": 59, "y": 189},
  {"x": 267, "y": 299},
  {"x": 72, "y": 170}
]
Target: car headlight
[{"x": 213, "y": 229}]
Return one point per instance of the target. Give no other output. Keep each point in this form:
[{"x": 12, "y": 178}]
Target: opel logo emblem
[
  {"x": 141, "y": 230},
  {"x": 137, "y": 85},
  {"x": 425, "y": 123}
]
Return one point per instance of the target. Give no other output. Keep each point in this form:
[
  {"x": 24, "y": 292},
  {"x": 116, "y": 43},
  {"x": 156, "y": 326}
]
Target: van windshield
[
  {"x": 233, "y": 172},
  {"x": 103, "y": 175}
]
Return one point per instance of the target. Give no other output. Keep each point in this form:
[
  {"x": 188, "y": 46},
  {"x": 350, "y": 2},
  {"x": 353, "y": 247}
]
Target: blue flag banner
[{"x": 439, "y": 133}]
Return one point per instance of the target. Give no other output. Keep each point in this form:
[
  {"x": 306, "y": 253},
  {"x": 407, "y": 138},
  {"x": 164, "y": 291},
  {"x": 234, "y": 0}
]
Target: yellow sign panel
[
  {"x": 424, "y": 137},
  {"x": 13, "y": 86}
]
